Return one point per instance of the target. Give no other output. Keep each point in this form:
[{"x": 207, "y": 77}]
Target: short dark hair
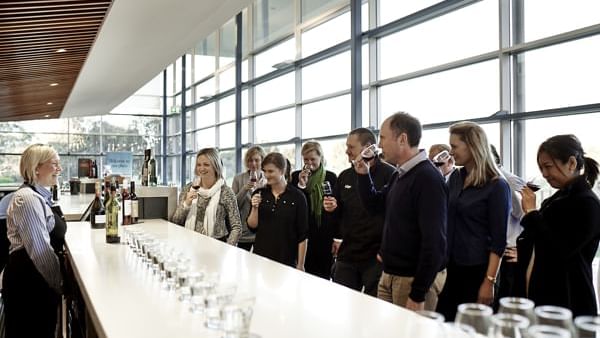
[
  {"x": 365, "y": 136},
  {"x": 562, "y": 147},
  {"x": 402, "y": 122},
  {"x": 276, "y": 159}
]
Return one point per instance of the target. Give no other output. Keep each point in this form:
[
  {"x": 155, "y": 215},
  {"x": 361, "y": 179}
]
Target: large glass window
[
  {"x": 327, "y": 117},
  {"x": 562, "y": 75},
  {"x": 276, "y": 56},
  {"x": 312, "y": 8},
  {"x": 448, "y": 38},
  {"x": 335, "y": 154},
  {"x": 204, "y": 57},
  {"x": 287, "y": 150},
  {"x": 545, "y": 18},
  {"x": 227, "y": 135},
  {"x": 275, "y": 93},
  {"x": 227, "y": 45},
  {"x": 390, "y": 10},
  {"x": 271, "y": 20},
  {"x": 442, "y": 135},
  {"x": 326, "y": 35},
  {"x": 273, "y": 127},
  {"x": 227, "y": 79},
  {"x": 206, "y": 89},
  {"x": 227, "y": 109},
  {"x": 457, "y": 94},
  {"x": 205, "y": 138},
  {"x": 337, "y": 69},
  {"x": 205, "y": 115}
]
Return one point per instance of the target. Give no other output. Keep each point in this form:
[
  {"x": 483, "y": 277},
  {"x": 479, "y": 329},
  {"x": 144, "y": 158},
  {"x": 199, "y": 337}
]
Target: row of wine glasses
[
  {"x": 518, "y": 317},
  {"x": 203, "y": 293}
]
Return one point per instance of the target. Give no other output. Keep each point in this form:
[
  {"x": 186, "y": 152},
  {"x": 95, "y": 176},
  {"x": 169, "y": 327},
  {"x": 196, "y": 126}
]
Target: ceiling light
[
  {"x": 47, "y": 115},
  {"x": 49, "y": 103},
  {"x": 61, "y": 50},
  {"x": 53, "y": 84}
]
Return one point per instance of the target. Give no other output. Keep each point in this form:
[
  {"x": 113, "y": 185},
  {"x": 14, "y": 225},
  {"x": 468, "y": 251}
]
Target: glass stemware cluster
[{"x": 202, "y": 292}]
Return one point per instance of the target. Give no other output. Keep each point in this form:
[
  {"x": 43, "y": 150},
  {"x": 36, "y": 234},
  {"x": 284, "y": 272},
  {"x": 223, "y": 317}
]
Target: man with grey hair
[{"x": 415, "y": 199}]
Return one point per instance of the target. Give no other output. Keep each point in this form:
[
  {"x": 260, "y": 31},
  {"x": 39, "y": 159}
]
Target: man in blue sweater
[{"x": 413, "y": 247}]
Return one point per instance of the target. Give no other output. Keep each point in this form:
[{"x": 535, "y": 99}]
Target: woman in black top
[
  {"x": 565, "y": 230},
  {"x": 279, "y": 216},
  {"x": 309, "y": 180}
]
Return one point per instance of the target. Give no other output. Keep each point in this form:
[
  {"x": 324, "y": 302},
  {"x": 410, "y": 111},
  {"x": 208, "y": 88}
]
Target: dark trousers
[
  {"x": 30, "y": 304},
  {"x": 359, "y": 275},
  {"x": 319, "y": 258},
  {"x": 245, "y": 246},
  {"x": 506, "y": 282},
  {"x": 462, "y": 286}
]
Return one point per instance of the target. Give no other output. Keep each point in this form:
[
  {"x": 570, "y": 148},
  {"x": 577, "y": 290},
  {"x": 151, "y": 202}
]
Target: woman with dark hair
[
  {"x": 478, "y": 208},
  {"x": 309, "y": 180},
  {"x": 565, "y": 231},
  {"x": 279, "y": 216}
]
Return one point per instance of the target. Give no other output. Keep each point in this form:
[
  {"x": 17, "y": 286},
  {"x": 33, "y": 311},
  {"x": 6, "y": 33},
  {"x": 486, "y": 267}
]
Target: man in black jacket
[
  {"x": 357, "y": 233},
  {"x": 413, "y": 249}
]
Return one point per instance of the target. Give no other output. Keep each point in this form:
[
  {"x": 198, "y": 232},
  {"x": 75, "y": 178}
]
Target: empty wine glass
[
  {"x": 508, "y": 325},
  {"x": 236, "y": 318},
  {"x": 475, "y": 315},
  {"x": 588, "y": 326},
  {"x": 306, "y": 170},
  {"x": 547, "y": 331},
  {"x": 438, "y": 317},
  {"x": 441, "y": 158},
  {"x": 555, "y": 316},
  {"x": 518, "y": 306}
]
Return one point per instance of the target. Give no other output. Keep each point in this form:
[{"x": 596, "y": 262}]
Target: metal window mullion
[
  {"x": 238, "y": 92},
  {"x": 374, "y": 62},
  {"x": 164, "y": 130},
  {"x": 505, "y": 83},
  {"x": 298, "y": 80},
  {"x": 183, "y": 124},
  {"x": 519, "y": 132},
  {"x": 356, "y": 63}
]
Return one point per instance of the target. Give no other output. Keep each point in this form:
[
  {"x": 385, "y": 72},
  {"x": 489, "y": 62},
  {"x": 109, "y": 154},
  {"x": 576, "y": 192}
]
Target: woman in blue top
[
  {"x": 566, "y": 229},
  {"x": 479, "y": 205}
]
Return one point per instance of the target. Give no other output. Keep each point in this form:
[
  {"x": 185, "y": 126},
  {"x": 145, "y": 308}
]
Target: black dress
[
  {"x": 319, "y": 258},
  {"x": 565, "y": 233},
  {"x": 31, "y": 304}
]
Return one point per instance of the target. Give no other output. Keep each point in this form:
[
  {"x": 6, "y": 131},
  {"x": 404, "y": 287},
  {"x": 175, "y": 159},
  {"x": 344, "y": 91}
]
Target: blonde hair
[
  {"x": 313, "y": 146},
  {"x": 254, "y": 150},
  {"x": 32, "y": 158},
  {"x": 484, "y": 169},
  {"x": 215, "y": 160}
]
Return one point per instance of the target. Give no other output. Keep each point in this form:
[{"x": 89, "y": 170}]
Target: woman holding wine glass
[
  {"x": 279, "y": 216},
  {"x": 243, "y": 186},
  {"x": 309, "y": 180},
  {"x": 565, "y": 231},
  {"x": 208, "y": 205}
]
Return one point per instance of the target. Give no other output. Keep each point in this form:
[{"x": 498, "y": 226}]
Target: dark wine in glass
[
  {"x": 253, "y": 177},
  {"x": 534, "y": 187},
  {"x": 369, "y": 153}
]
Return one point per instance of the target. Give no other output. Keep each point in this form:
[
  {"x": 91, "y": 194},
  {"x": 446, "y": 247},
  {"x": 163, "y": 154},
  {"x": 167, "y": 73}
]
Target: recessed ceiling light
[
  {"x": 47, "y": 115},
  {"x": 53, "y": 84},
  {"x": 49, "y": 103},
  {"x": 61, "y": 50}
]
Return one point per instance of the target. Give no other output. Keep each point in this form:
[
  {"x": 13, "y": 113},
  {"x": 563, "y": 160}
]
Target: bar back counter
[{"x": 118, "y": 297}]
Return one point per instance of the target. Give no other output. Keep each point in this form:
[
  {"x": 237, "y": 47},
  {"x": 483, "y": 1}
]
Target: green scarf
[{"x": 314, "y": 186}]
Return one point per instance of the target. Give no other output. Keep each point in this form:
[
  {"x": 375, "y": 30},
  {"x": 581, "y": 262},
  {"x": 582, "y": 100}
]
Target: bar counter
[{"x": 123, "y": 300}]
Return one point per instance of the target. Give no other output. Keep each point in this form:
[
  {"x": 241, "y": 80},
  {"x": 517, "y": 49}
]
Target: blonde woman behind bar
[{"x": 207, "y": 205}]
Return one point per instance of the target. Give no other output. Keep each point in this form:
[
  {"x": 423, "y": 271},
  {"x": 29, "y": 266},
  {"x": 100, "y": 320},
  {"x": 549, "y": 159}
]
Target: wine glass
[
  {"x": 327, "y": 191},
  {"x": 475, "y": 315},
  {"x": 196, "y": 183},
  {"x": 588, "y": 326},
  {"x": 441, "y": 158},
  {"x": 307, "y": 170},
  {"x": 369, "y": 153},
  {"x": 253, "y": 179},
  {"x": 508, "y": 325},
  {"x": 555, "y": 316},
  {"x": 547, "y": 331},
  {"x": 518, "y": 306},
  {"x": 438, "y": 317}
]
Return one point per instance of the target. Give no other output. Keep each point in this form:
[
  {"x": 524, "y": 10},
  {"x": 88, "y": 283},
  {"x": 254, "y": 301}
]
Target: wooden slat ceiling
[{"x": 36, "y": 79}]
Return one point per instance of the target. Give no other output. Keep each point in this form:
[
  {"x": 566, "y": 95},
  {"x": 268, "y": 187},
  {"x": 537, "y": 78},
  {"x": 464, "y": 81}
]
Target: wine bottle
[
  {"x": 126, "y": 206},
  {"x": 94, "y": 170},
  {"x": 112, "y": 217},
  {"x": 106, "y": 192},
  {"x": 97, "y": 214},
  {"x": 135, "y": 206},
  {"x": 152, "y": 171},
  {"x": 145, "y": 172}
]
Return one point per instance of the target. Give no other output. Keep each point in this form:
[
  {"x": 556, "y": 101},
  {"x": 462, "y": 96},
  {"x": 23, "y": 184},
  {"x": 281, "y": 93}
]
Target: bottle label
[
  {"x": 127, "y": 208},
  {"x": 100, "y": 219},
  {"x": 135, "y": 211}
]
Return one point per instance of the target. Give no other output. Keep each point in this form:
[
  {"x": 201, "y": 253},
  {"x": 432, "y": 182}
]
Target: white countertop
[
  {"x": 125, "y": 301},
  {"x": 73, "y": 206}
]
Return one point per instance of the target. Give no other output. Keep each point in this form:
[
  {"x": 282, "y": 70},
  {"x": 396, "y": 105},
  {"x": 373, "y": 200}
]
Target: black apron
[{"x": 30, "y": 303}]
